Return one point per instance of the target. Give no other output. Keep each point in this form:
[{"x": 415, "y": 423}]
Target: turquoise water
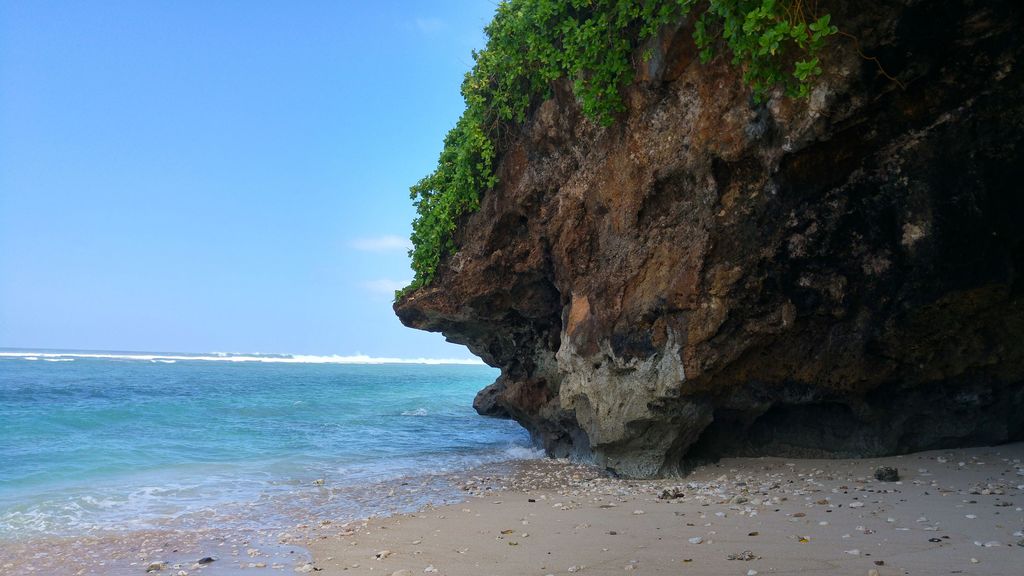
[{"x": 97, "y": 444}]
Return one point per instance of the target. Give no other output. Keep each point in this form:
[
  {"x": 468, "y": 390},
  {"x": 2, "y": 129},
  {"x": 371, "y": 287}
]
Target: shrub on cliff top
[{"x": 532, "y": 43}]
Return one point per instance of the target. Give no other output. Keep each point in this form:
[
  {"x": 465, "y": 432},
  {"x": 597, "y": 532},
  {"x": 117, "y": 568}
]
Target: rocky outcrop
[{"x": 837, "y": 276}]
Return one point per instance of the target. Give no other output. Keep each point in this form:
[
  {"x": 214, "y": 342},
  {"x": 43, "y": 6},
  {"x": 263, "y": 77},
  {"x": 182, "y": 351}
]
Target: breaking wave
[{"x": 230, "y": 357}]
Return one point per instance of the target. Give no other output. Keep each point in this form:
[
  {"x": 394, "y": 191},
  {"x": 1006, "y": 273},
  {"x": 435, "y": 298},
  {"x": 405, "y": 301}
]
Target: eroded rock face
[{"x": 838, "y": 276}]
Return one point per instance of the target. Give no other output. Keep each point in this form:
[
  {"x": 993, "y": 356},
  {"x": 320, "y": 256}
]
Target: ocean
[{"x": 92, "y": 444}]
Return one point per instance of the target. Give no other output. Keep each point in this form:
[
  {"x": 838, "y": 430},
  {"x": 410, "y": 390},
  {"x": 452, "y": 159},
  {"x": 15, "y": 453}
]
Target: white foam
[
  {"x": 416, "y": 412},
  {"x": 224, "y": 357},
  {"x": 524, "y": 453}
]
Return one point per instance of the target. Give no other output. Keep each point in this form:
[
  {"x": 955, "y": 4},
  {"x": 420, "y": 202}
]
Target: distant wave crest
[{"x": 228, "y": 357}]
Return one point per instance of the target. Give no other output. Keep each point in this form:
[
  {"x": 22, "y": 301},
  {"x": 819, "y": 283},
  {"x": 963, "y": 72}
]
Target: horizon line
[{"x": 260, "y": 357}]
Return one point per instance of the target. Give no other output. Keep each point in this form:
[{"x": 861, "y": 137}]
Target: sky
[{"x": 197, "y": 176}]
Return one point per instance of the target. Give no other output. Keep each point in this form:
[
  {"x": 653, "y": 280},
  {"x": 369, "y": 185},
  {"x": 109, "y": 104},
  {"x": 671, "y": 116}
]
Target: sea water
[{"x": 93, "y": 443}]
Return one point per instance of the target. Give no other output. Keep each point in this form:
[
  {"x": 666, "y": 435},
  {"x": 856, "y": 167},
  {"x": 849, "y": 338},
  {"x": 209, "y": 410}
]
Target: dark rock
[
  {"x": 837, "y": 276},
  {"x": 671, "y": 494},
  {"x": 206, "y": 560},
  {"x": 887, "y": 474}
]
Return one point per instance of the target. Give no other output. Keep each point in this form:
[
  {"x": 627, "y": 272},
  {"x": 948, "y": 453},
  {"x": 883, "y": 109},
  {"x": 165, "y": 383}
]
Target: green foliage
[{"x": 532, "y": 43}]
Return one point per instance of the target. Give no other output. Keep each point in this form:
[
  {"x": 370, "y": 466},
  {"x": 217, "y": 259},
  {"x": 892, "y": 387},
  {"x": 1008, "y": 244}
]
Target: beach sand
[{"x": 951, "y": 512}]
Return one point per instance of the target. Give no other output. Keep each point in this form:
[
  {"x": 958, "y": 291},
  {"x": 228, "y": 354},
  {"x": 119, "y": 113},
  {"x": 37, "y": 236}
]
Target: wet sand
[
  {"x": 212, "y": 553},
  {"x": 951, "y": 512}
]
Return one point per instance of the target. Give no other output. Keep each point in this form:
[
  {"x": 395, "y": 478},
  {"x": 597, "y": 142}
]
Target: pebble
[
  {"x": 887, "y": 474},
  {"x": 305, "y": 568},
  {"x": 402, "y": 572},
  {"x": 671, "y": 494},
  {"x": 156, "y": 566},
  {"x": 695, "y": 540}
]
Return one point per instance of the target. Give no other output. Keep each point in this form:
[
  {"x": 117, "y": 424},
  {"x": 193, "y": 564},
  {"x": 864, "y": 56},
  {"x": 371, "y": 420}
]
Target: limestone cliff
[{"x": 840, "y": 275}]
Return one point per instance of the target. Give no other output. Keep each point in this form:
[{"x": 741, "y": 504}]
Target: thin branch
[{"x": 878, "y": 63}]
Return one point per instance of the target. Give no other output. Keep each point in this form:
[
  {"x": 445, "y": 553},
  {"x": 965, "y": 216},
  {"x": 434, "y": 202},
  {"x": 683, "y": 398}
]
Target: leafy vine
[{"x": 532, "y": 43}]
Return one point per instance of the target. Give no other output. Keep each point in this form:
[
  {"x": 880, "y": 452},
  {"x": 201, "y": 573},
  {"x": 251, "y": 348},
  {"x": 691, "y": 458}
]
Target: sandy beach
[{"x": 951, "y": 512}]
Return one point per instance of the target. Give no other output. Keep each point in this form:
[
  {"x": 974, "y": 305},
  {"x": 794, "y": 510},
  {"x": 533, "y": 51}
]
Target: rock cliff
[{"x": 836, "y": 276}]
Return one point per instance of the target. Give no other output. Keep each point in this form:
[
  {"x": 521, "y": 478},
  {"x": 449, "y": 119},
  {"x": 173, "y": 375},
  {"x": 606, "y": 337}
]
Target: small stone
[
  {"x": 1020, "y": 543},
  {"x": 304, "y": 569},
  {"x": 206, "y": 560},
  {"x": 430, "y": 569},
  {"x": 638, "y": 512},
  {"x": 751, "y": 572},
  {"x": 887, "y": 474},
  {"x": 156, "y": 566},
  {"x": 382, "y": 554},
  {"x": 671, "y": 494},
  {"x": 318, "y": 482},
  {"x": 872, "y": 572},
  {"x": 745, "y": 556},
  {"x": 854, "y": 552},
  {"x": 402, "y": 572},
  {"x": 856, "y": 504},
  {"x": 695, "y": 540},
  {"x": 754, "y": 533}
]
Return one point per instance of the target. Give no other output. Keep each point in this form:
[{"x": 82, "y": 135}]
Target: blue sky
[{"x": 220, "y": 176}]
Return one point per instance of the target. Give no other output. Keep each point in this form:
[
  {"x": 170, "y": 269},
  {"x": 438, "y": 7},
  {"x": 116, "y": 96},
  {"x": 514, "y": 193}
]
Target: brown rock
[{"x": 836, "y": 276}]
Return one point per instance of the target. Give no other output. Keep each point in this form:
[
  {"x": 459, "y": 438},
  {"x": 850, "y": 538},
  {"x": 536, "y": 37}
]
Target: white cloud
[
  {"x": 386, "y": 243},
  {"x": 429, "y": 25},
  {"x": 384, "y": 286}
]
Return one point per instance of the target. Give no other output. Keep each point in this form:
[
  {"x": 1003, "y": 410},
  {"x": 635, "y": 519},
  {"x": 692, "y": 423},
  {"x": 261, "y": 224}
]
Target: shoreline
[
  {"x": 275, "y": 546},
  {"x": 952, "y": 512}
]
